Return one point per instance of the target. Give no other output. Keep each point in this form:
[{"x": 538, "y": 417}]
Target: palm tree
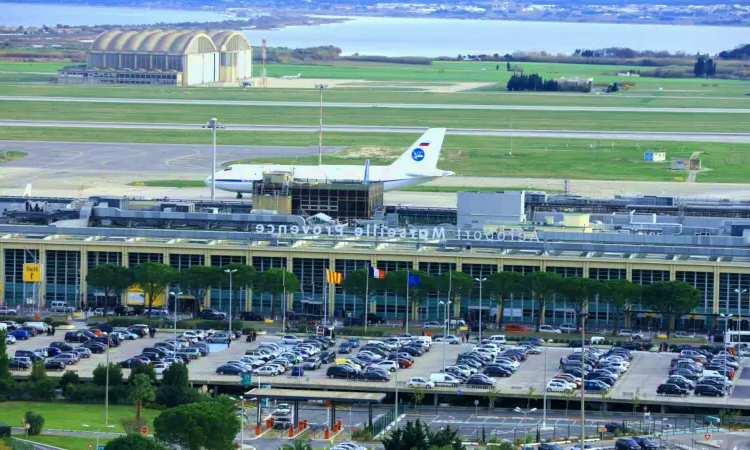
[
  {"x": 297, "y": 444},
  {"x": 142, "y": 391}
]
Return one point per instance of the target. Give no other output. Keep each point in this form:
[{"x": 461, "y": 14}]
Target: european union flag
[{"x": 413, "y": 280}]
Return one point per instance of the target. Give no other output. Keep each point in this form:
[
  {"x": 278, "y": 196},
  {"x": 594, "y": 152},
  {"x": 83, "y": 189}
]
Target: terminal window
[
  {"x": 704, "y": 282},
  {"x": 566, "y": 271},
  {"x": 646, "y": 277},
  {"x": 607, "y": 274},
  {"x": 136, "y": 259}
]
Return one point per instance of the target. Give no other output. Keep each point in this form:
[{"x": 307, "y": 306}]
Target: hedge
[
  {"x": 117, "y": 321},
  {"x": 5, "y": 430}
]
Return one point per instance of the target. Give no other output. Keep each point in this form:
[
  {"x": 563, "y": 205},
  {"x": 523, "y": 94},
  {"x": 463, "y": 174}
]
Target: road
[
  {"x": 146, "y": 101},
  {"x": 738, "y": 138}
]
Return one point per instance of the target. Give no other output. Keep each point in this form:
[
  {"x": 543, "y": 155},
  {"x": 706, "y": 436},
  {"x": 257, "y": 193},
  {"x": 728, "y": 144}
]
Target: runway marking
[{"x": 170, "y": 161}]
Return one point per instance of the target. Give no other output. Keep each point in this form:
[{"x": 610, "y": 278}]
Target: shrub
[
  {"x": 215, "y": 324},
  {"x": 35, "y": 422},
  {"x": 86, "y": 393},
  {"x": 115, "y": 375},
  {"x": 362, "y": 435},
  {"x": 617, "y": 433},
  {"x": 4, "y": 430},
  {"x": 68, "y": 379}
]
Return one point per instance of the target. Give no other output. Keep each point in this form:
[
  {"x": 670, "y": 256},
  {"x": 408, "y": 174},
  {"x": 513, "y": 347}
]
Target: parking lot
[{"x": 647, "y": 370}]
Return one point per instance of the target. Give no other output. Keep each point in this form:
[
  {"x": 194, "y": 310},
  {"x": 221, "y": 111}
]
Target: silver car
[{"x": 219, "y": 338}]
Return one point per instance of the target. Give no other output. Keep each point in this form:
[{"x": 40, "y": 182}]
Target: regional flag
[
  {"x": 374, "y": 272},
  {"x": 413, "y": 280},
  {"x": 334, "y": 277}
]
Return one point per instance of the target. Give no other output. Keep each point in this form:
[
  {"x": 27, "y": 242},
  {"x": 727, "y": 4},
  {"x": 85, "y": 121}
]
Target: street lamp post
[
  {"x": 174, "y": 352},
  {"x": 98, "y": 431},
  {"x": 525, "y": 413},
  {"x": 445, "y": 327},
  {"x": 739, "y": 305},
  {"x": 482, "y": 280},
  {"x": 230, "y": 272},
  {"x": 584, "y": 316},
  {"x": 544, "y": 408},
  {"x": 213, "y": 124},
  {"x": 320, "y": 131}
]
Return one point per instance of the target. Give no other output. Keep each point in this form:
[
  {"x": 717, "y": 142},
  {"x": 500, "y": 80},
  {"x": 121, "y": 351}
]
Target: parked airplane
[
  {"x": 417, "y": 165},
  {"x": 291, "y": 77}
]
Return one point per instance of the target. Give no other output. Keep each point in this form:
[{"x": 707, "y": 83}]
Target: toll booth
[{"x": 325, "y": 331}]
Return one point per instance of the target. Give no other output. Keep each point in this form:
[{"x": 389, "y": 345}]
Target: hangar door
[
  {"x": 244, "y": 64},
  {"x": 202, "y": 68}
]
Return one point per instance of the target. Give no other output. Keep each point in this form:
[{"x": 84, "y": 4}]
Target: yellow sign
[
  {"x": 602, "y": 430},
  {"x": 32, "y": 273}
]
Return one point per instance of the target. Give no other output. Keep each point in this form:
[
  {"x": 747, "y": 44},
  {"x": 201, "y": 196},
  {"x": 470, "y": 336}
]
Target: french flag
[
  {"x": 374, "y": 272},
  {"x": 424, "y": 144}
]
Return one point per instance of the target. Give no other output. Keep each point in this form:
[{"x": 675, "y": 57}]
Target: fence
[{"x": 385, "y": 419}]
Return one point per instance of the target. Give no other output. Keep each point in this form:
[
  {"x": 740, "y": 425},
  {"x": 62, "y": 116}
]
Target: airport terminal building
[
  {"x": 176, "y": 58},
  {"x": 711, "y": 253}
]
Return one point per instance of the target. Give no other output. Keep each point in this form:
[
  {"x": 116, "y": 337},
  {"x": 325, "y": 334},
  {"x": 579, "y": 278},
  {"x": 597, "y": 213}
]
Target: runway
[
  {"x": 737, "y": 138},
  {"x": 378, "y": 105}
]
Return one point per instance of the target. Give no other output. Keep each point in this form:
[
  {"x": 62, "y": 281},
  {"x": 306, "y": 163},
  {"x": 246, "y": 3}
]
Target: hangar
[{"x": 179, "y": 58}]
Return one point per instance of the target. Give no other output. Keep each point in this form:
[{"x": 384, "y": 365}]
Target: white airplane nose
[{"x": 208, "y": 181}]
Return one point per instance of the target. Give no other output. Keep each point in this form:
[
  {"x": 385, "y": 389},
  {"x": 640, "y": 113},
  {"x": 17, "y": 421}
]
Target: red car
[
  {"x": 514, "y": 327},
  {"x": 405, "y": 363}
]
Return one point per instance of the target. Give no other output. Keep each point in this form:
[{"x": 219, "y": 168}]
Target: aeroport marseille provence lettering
[{"x": 376, "y": 231}]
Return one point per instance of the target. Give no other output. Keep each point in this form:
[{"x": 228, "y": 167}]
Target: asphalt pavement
[
  {"x": 161, "y": 101},
  {"x": 569, "y": 134}
]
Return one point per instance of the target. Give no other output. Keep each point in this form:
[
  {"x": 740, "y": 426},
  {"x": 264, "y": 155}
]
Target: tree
[
  {"x": 530, "y": 396},
  {"x": 710, "y": 67},
  {"x": 175, "y": 387},
  {"x": 210, "y": 425},
  {"x": 396, "y": 282},
  {"x": 699, "y": 69},
  {"x": 133, "y": 442},
  {"x": 276, "y": 282},
  {"x": 35, "y": 422},
  {"x": 501, "y": 286},
  {"x": 198, "y": 281},
  {"x": 569, "y": 395},
  {"x": 297, "y": 444},
  {"x": 142, "y": 391},
  {"x": 115, "y": 375},
  {"x": 112, "y": 279},
  {"x": 492, "y": 394},
  {"x": 243, "y": 277},
  {"x": 578, "y": 291},
  {"x": 41, "y": 387},
  {"x": 543, "y": 285},
  {"x": 507, "y": 66},
  {"x": 418, "y": 396},
  {"x": 671, "y": 298},
  {"x": 153, "y": 278},
  {"x": 69, "y": 380},
  {"x": 147, "y": 369},
  {"x": 636, "y": 400},
  {"x": 356, "y": 284},
  {"x": 6, "y": 378},
  {"x": 460, "y": 284},
  {"x": 621, "y": 295}
]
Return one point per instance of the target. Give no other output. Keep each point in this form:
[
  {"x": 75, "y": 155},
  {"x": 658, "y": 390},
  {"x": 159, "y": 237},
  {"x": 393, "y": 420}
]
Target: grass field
[
  {"x": 66, "y": 442},
  {"x": 45, "y": 66},
  {"x": 6, "y": 156},
  {"x": 170, "y": 183},
  {"x": 70, "y": 416},
  {"x": 426, "y": 188},
  {"x": 584, "y": 159},
  {"x": 278, "y": 115}
]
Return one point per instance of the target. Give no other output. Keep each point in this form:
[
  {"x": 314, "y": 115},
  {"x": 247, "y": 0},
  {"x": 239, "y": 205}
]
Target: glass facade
[
  {"x": 704, "y": 282},
  {"x": 262, "y": 301},
  {"x": 520, "y": 309},
  {"x": 470, "y": 306},
  {"x": 94, "y": 259},
  {"x": 350, "y": 305},
  {"x": 729, "y": 298},
  {"x": 15, "y": 290},
  {"x": 62, "y": 270},
  {"x": 432, "y": 310},
  {"x": 389, "y": 305},
  {"x": 220, "y": 297},
  {"x": 311, "y": 273},
  {"x": 135, "y": 259}
]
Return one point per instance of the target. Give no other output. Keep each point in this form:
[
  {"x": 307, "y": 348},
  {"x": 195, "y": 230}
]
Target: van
[
  {"x": 59, "y": 306},
  {"x": 457, "y": 322},
  {"x": 38, "y": 326},
  {"x": 444, "y": 379},
  {"x": 425, "y": 340},
  {"x": 159, "y": 314},
  {"x": 497, "y": 339}
]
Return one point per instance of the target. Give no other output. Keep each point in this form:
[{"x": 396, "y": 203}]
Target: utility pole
[
  {"x": 230, "y": 272},
  {"x": 213, "y": 124},
  {"x": 320, "y": 131}
]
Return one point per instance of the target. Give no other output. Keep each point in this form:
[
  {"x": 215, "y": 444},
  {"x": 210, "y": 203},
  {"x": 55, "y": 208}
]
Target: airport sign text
[{"x": 379, "y": 231}]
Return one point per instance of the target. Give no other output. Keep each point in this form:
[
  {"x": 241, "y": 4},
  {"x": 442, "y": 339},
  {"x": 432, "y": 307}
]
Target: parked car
[
  {"x": 228, "y": 369},
  {"x": 219, "y": 338},
  {"x": 297, "y": 371},
  {"x": 21, "y": 335},
  {"x": 20, "y": 364},
  {"x": 420, "y": 382},
  {"x": 709, "y": 390},
  {"x": 549, "y": 329},
  {"x": 449, "y": 339},
  {"x": 645, "y": 443},
  {"x": 626, "y": 444},
  {"x": 131, "y": 362},
  {"x": 671, "y": 389},
  {"x": 514, "y": 327}
]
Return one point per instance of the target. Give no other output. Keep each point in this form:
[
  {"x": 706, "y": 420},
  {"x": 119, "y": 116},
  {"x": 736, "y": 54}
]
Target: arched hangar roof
[
  {"x": 228, "y": 41},
  {"x": 154, "y": 41}
]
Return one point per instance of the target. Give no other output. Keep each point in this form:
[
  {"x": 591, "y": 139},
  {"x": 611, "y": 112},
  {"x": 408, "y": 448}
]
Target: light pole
[
  {"x": 447, "y": 305},
  {"x": 230, "y": 272},
  {"x": 519, "y": 410},
  {"x": 739, "y": 305},
  {"x": 106, "y": 387},
  {"x": 213, "y": 124},
  {"x": 727, "y": 316},
  {"x": 482, "y": 280},
  {"x": 174, "y": 352},
  {"x": 544, "y": 408},
  {"x": 320, "y": 131},
  {"x": 98, "y": 431},
  {"x": 241, "y": 398},
  {"x": 584, "y": 316}
]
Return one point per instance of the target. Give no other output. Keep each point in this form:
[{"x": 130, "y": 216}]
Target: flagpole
[
  {"x": 325, "y": 302},
  {"x": 407, "y": 300},
  {"x": 367, "y": 293}
]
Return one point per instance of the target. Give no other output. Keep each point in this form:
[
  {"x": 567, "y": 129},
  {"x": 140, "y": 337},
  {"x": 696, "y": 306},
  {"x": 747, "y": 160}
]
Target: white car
[
  {"x": 568, "y": 328},
  {"x": 266, "y": 371},
  {"x": 279, "y": 368},
  {"x": 549, "y": 329},
  {"x": 491, "y": 349},
  {"x": 466, "y": 368},
  {"x": 559, "y": 385},
  {"x": 282, "y": 409},
  {"x": 290, "y": 339},
  {"x": 252, "y": 362},
  {"x": 621, "y": 365},
  {"x": 432, "y": 325},
  {"x": 450, "y": 339},
  {"x": 191, "y": 335},
  {"x": 420, "y": 382},
  {"x": 311, "y": 349},
  {"x": 159, "y": 367},
  {"x": 463, "y": 370},
  {"x": 9, "y": 339},
  {"x": 390, "y": 366},
  {"x": 683, "y": 334},
  {"x": 374, "y": 356},
  {"x": 625, "y": 332}
]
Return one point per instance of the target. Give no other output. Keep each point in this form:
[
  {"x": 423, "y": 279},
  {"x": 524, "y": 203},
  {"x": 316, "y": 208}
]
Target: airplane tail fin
[
  {"x": 367, "y": 172},
  {"x": 423, "y": 154},
  {"x": 27, "y": 191}
]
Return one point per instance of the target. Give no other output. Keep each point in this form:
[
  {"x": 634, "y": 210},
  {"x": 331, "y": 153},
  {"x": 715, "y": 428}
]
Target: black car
[
  {"x": 228, "y": 369},
  {"x": 575, "y": 344},
  {"x": 473, "y": 363},
  {"x": 606, "y": 379},
  {"x": 549, "y": 446},
  {"x": 689, "y": 374},
  {"x": 710, "y": 390},
  {"x": 95, "y": 347},
  {"x": 131, "y": 362},
  {"x": 645, "y": 443},
  {"x": 345, "y": 347},
  {"x": 160, "y": 350},
  {"x": 626, "y": 444},
  {"x": 478, "y": 381},
  {"x": 153, "y": 357},
  {"x": 497, "y": 371},
  {"x": 17, "y": 364},
  {"x": 685, "y": 384},
  {"x": 340, "y": 372},
  {"x": 413, "y": 351},
  {"x": 327, "y": 357},
  {"x": 714, "y": 382},
  {"x": 612, "y": 426},
  {"x": 54, "y": 365},
  {"x": 671, "y": 389},
  {"x": 251, "y": 317},
  {"x": 375, "y": 376},
  {"x": 475, "y": 327},
  {"x": 62, "y": 346},
  {"x": 75, "y": 336}
]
